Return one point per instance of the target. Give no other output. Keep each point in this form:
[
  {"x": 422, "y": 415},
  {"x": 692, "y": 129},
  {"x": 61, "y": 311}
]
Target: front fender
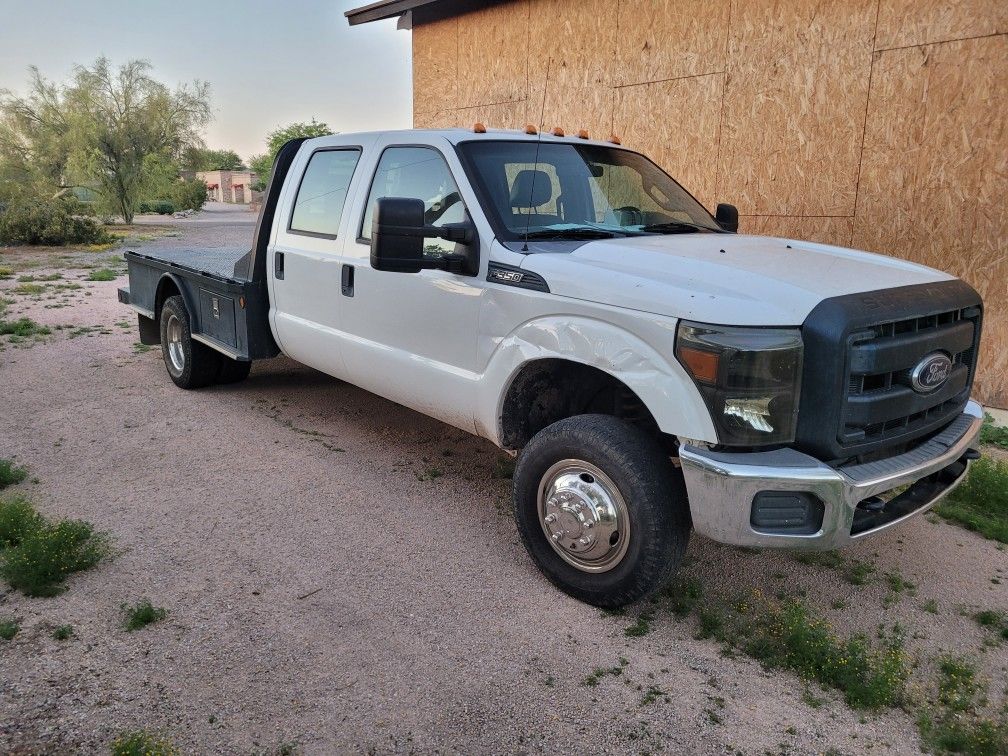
[{"x": 662, "y": 384}]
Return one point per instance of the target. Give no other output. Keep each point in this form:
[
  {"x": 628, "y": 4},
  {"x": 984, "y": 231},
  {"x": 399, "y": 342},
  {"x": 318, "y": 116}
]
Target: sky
[{"x": 268, "y": 62}]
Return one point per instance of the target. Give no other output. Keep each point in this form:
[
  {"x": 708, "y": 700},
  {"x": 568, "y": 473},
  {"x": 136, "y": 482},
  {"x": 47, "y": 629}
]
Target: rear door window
[{"x": 318, "y": 206}]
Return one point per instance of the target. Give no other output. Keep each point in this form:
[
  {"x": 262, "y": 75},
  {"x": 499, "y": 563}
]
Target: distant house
[{"x": 229, "y": 186}]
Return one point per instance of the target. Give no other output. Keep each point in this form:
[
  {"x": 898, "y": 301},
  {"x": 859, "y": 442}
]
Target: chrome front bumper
[{"x": 723, "y": 486}]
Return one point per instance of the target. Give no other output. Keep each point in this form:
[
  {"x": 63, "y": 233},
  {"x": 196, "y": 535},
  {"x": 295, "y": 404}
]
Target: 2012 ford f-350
[{"x": 565, "y": 298}]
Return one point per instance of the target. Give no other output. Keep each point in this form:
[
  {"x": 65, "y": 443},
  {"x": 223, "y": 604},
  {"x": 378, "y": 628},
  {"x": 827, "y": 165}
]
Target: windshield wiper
[
  {"x": 676, "y": 227},
  {"x": 570, "y": 233}
]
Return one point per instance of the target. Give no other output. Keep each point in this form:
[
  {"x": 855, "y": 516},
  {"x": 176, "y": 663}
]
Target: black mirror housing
[
  {"x": 727, "y": 217},
  {"x": 397, "y": 235}
]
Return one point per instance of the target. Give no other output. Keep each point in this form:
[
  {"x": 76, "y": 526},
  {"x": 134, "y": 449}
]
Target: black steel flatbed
[{"x": 224, "y": 288}]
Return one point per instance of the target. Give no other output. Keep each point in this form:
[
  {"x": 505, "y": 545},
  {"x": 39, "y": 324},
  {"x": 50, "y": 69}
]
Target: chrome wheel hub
[
  {"x": 175, "y": 352},
  {"x": 583, "y": 516}
]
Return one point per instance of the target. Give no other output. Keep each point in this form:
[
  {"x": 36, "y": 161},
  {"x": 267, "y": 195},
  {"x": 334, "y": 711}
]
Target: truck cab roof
[{"x": 457, "y": 135}]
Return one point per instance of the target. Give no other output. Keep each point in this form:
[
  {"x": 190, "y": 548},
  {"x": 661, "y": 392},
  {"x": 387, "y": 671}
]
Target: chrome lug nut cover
[{"x": 583, "y": 515}]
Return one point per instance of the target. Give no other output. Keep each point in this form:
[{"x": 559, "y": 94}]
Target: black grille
[
  {"x": 881, "y": 402},
  {"x": 873, "y": 341}
]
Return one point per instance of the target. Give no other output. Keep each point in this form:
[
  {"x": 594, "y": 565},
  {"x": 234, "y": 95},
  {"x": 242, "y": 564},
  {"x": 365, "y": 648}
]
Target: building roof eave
[
  {"x": 383, "y": 9},
  {"x": 427, "y": 10}
]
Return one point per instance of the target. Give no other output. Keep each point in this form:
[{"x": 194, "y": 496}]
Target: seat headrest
[{"x": 531, "y": 189}]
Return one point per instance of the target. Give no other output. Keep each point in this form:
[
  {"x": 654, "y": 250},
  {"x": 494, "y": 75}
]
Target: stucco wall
[{"x": 878, "y": 124}]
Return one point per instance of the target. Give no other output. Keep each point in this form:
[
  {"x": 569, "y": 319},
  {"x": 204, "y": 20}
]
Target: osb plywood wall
[{"x": 878, "y": 124}]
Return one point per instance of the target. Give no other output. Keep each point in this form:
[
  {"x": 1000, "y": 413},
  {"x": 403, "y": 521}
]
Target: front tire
[
  {"x": 601, "y": 509},
  {"x": 190, "y": 364}
]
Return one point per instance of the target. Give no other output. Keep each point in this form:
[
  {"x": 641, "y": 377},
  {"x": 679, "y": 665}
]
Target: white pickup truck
[{"x": 566, "y": 299}]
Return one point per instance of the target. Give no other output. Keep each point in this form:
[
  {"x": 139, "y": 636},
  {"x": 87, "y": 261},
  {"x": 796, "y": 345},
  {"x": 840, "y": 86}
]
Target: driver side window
[{"x": 418, "y": 173}]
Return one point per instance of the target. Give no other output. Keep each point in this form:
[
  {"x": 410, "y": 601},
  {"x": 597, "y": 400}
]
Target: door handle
[
  {"x": 346, "y": 280},
  {"x": 278, "y": 265}
]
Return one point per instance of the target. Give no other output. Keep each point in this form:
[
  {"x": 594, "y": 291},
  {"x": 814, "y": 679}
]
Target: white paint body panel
[{"x": 448, "y": 345}]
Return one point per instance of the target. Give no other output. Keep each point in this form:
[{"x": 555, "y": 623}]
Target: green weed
[
  {"x": 17, "y": 517},
  {"x": 29, "y": 288},
  {"x": 22, "y": 328},
  {"x": 994, "y": 621},
  {"x": 142, "y": 743},
  {"x": 504, "y": 467},
  {"x": 141, "y": 614},
  {"x": 63, "y": 632},
  {"x": 786, "y": 636},
  {"x": 954, "y": 726},
  {"x": 993, "y": 434},
  {"x": 598, "y": 673},
  {"x": 980, "y": 503},
  {"x": 8, "y": 629},
  {"x": 11, "y": 474},
  {"x": 37, "y": 555},
  {"x": 641, "y": 627},
  {"x": 102, "y": 274}
]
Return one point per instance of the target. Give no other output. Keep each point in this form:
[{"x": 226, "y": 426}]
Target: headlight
[{"x": 750, "y": 379}]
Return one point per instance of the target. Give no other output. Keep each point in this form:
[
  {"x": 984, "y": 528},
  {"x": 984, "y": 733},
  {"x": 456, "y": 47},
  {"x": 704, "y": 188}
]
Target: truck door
[
  {"x": 412, "y": 337},
  {"x": 304, "y": 260}
]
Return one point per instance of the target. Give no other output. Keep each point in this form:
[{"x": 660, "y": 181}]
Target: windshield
[{"x": 578, "y": 191}]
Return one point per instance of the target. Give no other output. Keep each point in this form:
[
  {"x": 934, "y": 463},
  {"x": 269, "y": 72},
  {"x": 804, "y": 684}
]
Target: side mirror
[
  {"x": 727, "y": 217},
  {"x": 397, "y": 235},
  {"x": 397, "y": 239}
]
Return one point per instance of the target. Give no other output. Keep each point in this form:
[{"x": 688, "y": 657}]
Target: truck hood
[{"x": 720, "y": 278}]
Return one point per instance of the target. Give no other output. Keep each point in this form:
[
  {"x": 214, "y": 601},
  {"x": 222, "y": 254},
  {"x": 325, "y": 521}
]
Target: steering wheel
[
  {"x": 635, "y": 213},
  {"x": 440, "y": 208}
]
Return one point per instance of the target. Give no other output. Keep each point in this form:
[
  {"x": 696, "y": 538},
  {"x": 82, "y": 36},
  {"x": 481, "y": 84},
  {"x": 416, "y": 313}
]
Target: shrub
[
  {"x": 37, "y": 555},
  {"x": 49, "y": 222},
  {"x": 10, "y": 474},
  {"x": 188, "y": 194},
  {"x": 158, "y": 207}
]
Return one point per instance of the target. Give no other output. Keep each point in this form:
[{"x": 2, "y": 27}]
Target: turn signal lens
[{"x": 702, "y": 365}]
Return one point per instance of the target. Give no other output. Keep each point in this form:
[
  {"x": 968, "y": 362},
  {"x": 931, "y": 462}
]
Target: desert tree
[
  {"x": 263, "y": 164},
  {"x": 100, "y": 129}
]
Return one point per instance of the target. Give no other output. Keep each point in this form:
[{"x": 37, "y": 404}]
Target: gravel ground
[{"x": 325, "y": 588}]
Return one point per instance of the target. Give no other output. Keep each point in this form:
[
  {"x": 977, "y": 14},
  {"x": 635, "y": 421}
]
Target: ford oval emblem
[{"x": 930, "y": 373}]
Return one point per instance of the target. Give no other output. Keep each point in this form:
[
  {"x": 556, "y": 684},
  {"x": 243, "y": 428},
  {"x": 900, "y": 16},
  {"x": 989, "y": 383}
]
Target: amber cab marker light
[
  {"x": 479, "y": 128},
  {"x": 241, "y": 302},
  {"x": 557, "y": 131},
  {"x": 615, "y": 139},
  {"x": 583, "y": 134},
  {"x": 530, "y": 129},
  {"x": 702, "y": 365}
]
